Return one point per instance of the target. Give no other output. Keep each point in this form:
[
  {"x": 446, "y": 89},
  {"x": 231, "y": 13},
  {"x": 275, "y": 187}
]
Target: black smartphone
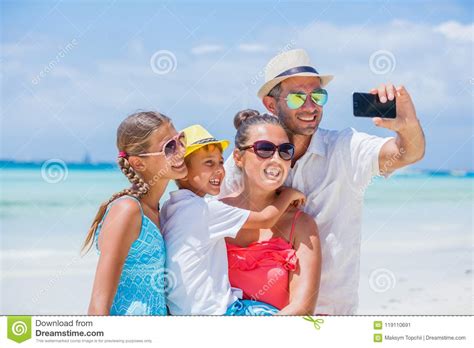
[{"x": 369, "y": 105}]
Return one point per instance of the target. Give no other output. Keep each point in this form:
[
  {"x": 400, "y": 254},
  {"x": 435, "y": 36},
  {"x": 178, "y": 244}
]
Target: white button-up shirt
[{"x": 333, "y": 174}]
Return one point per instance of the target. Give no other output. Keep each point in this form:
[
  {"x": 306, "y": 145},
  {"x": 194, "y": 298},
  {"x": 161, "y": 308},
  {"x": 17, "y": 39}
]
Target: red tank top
[{"x": 262, "y": 269}]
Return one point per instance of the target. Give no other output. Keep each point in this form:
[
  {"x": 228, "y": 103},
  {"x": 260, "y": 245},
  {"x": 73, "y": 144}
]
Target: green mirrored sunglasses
[{"x": 296, "y": 100}]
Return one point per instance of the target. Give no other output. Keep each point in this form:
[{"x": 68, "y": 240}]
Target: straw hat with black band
[{"x": 289, "y": 64}]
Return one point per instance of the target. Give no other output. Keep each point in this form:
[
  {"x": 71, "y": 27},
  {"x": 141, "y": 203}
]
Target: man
[{"x": 333, "y": 168}]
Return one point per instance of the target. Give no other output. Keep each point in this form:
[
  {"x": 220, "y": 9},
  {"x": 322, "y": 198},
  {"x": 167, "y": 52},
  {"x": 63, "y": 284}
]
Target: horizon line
[{"x": 9, "y": 163}]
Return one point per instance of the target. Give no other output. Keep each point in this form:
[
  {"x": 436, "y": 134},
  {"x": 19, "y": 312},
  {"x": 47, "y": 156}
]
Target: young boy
[{"x": 195, "y": 230}]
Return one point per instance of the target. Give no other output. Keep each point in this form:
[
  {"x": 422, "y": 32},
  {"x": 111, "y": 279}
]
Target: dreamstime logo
[
  {"x": 163, "y": 62},
  {"x": 382, "y": 280},
  {"x": 163, "y": 280},
  {"x": 54, "y": 171},
  {"x": 382, "y": 62},
  {"x": 19, "y": 328}
]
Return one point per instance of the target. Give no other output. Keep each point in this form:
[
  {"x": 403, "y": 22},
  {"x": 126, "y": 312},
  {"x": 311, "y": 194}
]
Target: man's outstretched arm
[{"x": 409, "y": 145}]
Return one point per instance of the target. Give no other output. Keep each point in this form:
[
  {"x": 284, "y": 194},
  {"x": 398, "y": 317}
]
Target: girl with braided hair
[{"x": 130, "y": 277}]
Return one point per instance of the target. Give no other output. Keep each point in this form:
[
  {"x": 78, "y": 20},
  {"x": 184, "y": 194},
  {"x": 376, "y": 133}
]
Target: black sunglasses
[{"x": 266, "y": 149}]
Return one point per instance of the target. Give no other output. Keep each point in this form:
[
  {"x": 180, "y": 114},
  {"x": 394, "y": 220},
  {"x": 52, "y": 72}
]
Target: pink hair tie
[{"x": 122, "y": 154}]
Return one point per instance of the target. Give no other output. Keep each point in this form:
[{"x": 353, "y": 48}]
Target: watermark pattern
[
  {"x": 173, "y": 161},
  {"x": 163, "y": 280},
  {"x": 54, "y": 171},
  {"x": 384, "y": 172},
  {"x": 268, "y": 285},
  {"x": 163, "y": 62},
  {"x": 55, "y": 61},
  {"x": 382, "y": 62},
  {"x": 36, "y": 299},
  {"x": 261, "y": 73},
  {"x": 382, "y": 280}
]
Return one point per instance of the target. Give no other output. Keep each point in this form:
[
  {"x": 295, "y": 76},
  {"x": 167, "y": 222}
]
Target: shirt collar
[{"x": 318, "y": 144}]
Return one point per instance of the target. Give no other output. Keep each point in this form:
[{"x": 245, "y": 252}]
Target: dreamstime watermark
[
  {"x": 382, "y": 280},
  {"x": 268, "y": 285},
  {"x": 52, "y": 281},
  {"x": 163, "y": 171},
  {"x": 383, "y": 172},
  {"x": 163, "y": 62},
  {"x": 261, "y": 73},
  {"x": 55, "y": 61},
  {"x": 393, "y": 159},
  {"x": 382, "y": 62},
  {"x": 54, "y": 171},
  {"x": 163, "y": 280}
]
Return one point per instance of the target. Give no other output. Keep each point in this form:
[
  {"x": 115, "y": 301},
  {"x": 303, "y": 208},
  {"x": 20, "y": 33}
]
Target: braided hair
[{"x": 133, "y": 138}]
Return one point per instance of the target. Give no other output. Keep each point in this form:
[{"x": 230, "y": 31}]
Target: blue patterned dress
[{"x": 141, "y": 289}]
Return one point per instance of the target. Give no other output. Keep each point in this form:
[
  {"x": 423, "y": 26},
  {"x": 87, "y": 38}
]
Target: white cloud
[
  {"x": 252, "y": 47},
  {"x": 212, "y": 88},
  {"x": 205, "y": 49},
  {"x": 456, "y": 31},
  {"x": 420, "y": 55},
  {"x": 17, "y": 49}
]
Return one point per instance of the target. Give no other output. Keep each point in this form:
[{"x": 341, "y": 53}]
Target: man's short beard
[{"x": 284, "y": 118}]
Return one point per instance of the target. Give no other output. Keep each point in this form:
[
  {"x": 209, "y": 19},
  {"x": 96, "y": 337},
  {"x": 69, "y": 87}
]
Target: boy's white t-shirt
[{"x": 194, "y": 229}]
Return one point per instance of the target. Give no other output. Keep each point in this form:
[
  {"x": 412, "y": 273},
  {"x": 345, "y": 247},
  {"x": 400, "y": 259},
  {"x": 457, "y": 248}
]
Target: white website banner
[{"x": 341, "y": 331}]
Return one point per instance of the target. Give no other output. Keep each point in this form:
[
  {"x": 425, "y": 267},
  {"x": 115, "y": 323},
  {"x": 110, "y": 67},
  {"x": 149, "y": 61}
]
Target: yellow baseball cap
[{"x": 197, "y": 136}]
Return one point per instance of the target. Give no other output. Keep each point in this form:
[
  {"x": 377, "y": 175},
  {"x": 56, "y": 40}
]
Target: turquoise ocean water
[
  {"x": 413, "y": 221},
  {"x": 47, "y": 211}
]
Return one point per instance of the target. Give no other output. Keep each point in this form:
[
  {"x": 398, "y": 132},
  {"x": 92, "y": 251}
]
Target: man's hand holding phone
[{"x": 388, "y": 99}]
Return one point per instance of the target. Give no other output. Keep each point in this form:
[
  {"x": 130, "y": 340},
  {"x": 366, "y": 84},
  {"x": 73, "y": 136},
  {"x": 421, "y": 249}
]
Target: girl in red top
[{"x": 282, "y": 265}]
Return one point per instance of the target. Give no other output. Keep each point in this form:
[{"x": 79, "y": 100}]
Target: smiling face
[
  {"x": 205, "y": 171},
  {"x": 266, "y": 174},
  {"x": 304, "y": 120},
  {"x": 153, "y": 168}
]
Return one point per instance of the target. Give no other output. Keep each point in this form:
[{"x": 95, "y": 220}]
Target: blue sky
[{"x": 71, "y": 71}]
